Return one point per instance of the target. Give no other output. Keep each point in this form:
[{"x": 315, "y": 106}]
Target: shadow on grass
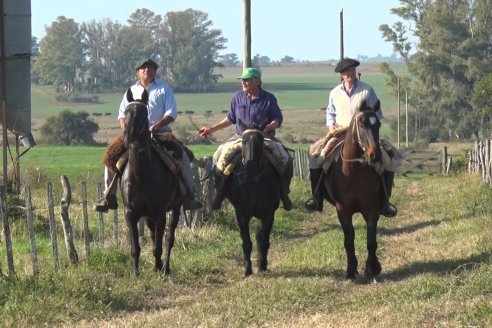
[
  {"x": 442, "y": 267},
  {"x": 408, "y": 228}
]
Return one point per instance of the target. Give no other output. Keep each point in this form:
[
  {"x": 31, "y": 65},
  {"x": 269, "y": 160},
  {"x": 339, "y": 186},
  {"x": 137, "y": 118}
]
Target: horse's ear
[
  {"x": 145, "y": 96},
  {"x": 129, "y": 95},
  {"x": 377, "y": 106},
  {"x": 363, "y": 106}
]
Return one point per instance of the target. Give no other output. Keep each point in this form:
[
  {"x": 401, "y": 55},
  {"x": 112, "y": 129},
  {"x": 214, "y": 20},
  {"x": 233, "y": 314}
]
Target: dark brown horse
[
  {"x": 149, "y": 189},
  {"x": 254, "y": 190},
  {"x": 353, "y": 185}
]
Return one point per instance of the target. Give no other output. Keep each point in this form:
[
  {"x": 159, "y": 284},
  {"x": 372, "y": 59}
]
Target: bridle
[{"x": 355, "y": 129}]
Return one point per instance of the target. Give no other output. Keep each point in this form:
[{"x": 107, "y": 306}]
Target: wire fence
[{"x": 82, "y": 231}]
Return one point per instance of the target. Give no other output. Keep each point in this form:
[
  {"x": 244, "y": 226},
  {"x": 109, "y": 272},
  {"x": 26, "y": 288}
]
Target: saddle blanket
[
  {"x": 322, "y": 148},
  {"x": 230, "y": 149}
]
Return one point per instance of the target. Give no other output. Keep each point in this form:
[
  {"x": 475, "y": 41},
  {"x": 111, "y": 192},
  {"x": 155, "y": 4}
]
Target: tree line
[
  {"x": 449, "y": 80},
  {"x": 100, "y": 56},
  {"x": 446, "y": 45}
]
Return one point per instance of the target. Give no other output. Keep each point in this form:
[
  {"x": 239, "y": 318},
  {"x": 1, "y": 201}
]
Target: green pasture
[
  {"x": 296, "y": 87},
  {"x": 436, "y": 259},
  {"x": 48, "y": 163}
]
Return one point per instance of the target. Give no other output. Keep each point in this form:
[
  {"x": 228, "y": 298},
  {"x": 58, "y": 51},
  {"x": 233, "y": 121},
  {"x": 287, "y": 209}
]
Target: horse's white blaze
[{"x": 372, "y": 120}]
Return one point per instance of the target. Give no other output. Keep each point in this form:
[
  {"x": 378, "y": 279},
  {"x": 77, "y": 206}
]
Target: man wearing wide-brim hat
[{"x": 344, "y": 101}]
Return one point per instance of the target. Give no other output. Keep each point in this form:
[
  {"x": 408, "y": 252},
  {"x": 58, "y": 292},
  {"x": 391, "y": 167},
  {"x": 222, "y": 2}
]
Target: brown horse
[
  {"x": 148, "y": 187},
  {"x": 254, "y": 190},
  {"x": 353, "y": 185}
]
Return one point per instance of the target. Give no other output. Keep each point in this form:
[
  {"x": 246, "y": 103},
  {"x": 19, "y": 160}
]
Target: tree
[
  {"x": 482, "y": 102},
  {"x": 453, "y": 52},
  {"x": 99, "y": 38},
  {"x": 229, "y": 60},
  {"x": 190, "y": 50},
  {"x": 259, "y": 60},
  {"x": 69, "y": 128},
  {"x": 61, "y": 57},
  {"x": 287, "y": 60}
]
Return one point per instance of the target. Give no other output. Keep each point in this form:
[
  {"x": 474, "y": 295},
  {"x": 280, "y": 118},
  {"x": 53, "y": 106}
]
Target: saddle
[
  {"x": 231, "y": 155},
  {"x": 167, "y": 146}
]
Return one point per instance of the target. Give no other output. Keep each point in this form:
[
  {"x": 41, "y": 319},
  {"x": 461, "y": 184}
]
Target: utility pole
[
  {"x": 247, "y": 34},
  {"x": 4, "y": 92},
  {"x": 398, "y": 120},
  {"x": 341, "y": 34}
]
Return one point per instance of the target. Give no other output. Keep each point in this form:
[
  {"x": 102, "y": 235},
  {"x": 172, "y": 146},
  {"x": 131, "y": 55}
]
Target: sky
[{"x": 303, "y": 30}]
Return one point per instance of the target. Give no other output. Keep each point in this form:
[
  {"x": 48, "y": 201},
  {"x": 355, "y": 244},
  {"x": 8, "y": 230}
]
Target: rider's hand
[{"x": 203, "y": 132}]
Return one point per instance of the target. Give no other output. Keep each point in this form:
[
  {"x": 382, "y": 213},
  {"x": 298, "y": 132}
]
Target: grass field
[
  {"x": 301, "y": 90},
  {"x": 436, "y": 258},
  {"x": 436, "y": 254}
]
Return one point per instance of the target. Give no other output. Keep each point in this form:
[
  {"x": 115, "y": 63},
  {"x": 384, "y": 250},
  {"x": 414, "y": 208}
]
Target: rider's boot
[
  {"x": 316, "y": 202},
  {"x": 219, "y": 197},
  {"x": 387, "y": 209},
  {"x": 108, "y": 201}
]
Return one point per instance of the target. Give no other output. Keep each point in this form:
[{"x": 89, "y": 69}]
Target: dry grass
[{"x": 436, "y": 272}]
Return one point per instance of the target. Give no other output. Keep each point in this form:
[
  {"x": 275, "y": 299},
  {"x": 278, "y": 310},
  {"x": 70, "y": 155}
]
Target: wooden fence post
[
  {"x": 51, "y": 214},
  {"x": 6, "y": 229},
  {"x": 487, "y": 161},
  {"x": 67, "y": 227},
  {"x": 83, "y": 187},
  {"x": 30, "y": 228},
  {"x": 444, "y": 160},
  {"x": 116, "y": 228},
  {"x": 101, "y": 219}
]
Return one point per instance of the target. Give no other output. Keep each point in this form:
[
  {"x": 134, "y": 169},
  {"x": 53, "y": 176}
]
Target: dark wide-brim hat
[
  {"x": 149, "y": 62},
  {"x": 346, "y": 63}
]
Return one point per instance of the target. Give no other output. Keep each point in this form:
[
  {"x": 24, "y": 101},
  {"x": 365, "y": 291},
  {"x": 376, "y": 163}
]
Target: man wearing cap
[
  {"x": 162, "y": 111},
  {"x": 344, "y": 101},
  {"x": 250, "y": 107}
]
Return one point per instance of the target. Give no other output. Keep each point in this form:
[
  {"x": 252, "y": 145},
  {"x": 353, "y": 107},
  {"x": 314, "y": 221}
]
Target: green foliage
[
  {"x": 101, "y": 55},
  {"x": 69, "y": 128},
  {"x": 61, "y": 55},
  {"x": 452, "y": 55},
  {"x": 191, "y": 50}
]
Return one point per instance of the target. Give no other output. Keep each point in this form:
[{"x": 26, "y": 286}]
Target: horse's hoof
[
  {"x": 287, "y": 204},
  {"x": 313, "y": 206},
  {"x": 389, "y": 211}
]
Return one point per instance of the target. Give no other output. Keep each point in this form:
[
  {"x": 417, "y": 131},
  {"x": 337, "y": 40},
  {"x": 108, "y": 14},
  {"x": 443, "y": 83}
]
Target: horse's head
[
  {"x": 364, "y": 130},
  {"x": 136, "y": 118},
  {"x": 252, "y": 149}
]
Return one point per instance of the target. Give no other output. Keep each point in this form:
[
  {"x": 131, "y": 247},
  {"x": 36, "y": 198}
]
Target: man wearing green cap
[
  {"x": 251, "y": 107},
  {"x": 162, "y": 112}
]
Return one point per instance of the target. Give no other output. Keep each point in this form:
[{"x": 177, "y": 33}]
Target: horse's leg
[
  {"x": 243, "y": 224},
  {"x": 156, "y": 232},
  {"x": 373, "y": 267},
  {"x": 263, "y": 242},
  {"x": 170, "y": 238},
  {"x": 348, "y": 242},
  {"x": 132, "y": 223}
]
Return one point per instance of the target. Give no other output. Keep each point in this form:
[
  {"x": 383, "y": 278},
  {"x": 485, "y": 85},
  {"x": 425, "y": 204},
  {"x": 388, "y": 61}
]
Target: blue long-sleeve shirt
[{"x": 246, "y": 113}]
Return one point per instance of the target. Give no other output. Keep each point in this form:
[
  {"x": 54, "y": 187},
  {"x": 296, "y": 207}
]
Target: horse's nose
[{"x": 374, "y": 156}]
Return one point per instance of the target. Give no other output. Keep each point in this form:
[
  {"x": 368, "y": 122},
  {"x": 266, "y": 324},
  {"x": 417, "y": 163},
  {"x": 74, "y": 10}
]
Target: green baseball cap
[
  {"x": 149, "y": 62},
  {"x": 250, "y": 73}
]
